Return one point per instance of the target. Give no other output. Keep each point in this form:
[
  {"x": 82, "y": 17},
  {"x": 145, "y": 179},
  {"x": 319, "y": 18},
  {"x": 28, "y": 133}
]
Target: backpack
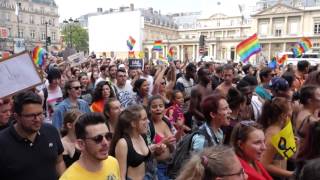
[{"x": 183, "y": 152}]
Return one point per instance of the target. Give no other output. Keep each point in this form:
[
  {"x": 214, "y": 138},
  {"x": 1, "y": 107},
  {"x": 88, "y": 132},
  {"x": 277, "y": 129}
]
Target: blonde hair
[{"x": 210, "y": 163}]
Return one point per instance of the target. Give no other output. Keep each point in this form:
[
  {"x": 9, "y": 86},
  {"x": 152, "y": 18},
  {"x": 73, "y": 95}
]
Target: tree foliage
[{"x": 77, "y": 35}]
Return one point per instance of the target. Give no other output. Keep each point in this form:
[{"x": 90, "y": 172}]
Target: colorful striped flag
[
  {"x": 131, "y": 55},
  {"x": 170, "y": 54},
  {"x": 297, "y": 50},
  {"x": 130, "y": 43},
  {"x": 248, "y": 47},
  {"x": 283, "y": 59},
  {"x": 306, "y": 44},
  {"x": 39, "y": 56},
  {"x": 157, "y": 46}
]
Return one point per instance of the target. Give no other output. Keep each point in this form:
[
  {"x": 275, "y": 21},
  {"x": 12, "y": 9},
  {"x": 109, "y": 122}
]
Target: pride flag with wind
[
  {"x": 39, "y": 56},
  {"x": 170, "y": 54},
  {"x": 130, "y": 43},
  {"x": 248, "y": 47},
  {"x": 306, "y": 44},
  {"x": 157, "y": 45}
]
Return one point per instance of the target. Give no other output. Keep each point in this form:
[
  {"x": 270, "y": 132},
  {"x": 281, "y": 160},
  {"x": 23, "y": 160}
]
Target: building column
[
  {"x": 215, "y": 51},
  {"x": 194, "y": 53},
  {"x": 197, "y": 53},
  {"x": 285, "y": 25},
  {"x": 182, "y": 53},
  {"x": 149, "y": 53},
  {"x": 270, "y": 27},
  {"x": 210, "y": 50},
  {"x": 269, "y": 53},
  {"x": 178, "y": 52},
  {"x": 284, "y": 47}
]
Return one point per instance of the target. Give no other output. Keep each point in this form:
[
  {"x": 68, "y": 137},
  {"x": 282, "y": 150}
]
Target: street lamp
[
  {"x": 70, "y": 22},
  {"x": 17, "y": 13},
  {"x": 46, "y": 23}
]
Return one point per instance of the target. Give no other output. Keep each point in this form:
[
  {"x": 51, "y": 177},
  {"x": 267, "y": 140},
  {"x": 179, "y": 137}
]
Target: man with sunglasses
[
  {"x": 93, "y": 139},
  {"x": 72, "y": 101},
  {"x": 29, "y": 148}
]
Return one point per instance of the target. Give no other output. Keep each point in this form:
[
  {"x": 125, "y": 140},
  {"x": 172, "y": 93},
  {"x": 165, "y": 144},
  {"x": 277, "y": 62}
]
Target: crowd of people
[{"x": 181, "y": 120}]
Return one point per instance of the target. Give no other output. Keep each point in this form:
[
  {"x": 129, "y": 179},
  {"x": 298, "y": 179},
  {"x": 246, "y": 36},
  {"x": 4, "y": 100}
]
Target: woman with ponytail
[
  {"x": 275, "y": 116},
  {"x": 71, "y": 153},
  {"x": 214, "y": 163}
]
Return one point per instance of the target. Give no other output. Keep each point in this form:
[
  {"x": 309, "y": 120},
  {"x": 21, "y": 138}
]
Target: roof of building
[{"x": 48, "y": 2}]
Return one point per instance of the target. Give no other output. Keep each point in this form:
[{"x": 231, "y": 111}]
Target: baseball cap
[{"x": 279, "y": 84}]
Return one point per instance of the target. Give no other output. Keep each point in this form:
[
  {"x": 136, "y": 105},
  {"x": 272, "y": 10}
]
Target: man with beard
[
  {"x": 228, "y": 75},
  {"x": 30, "y": 149},
  {"x": 72, "y": 101},
  {"x": 201, "y": 90},
  {"x": 93, "y": 139}
]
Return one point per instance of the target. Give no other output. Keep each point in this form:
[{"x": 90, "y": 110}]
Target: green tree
[{"x": 77, "y": 35}]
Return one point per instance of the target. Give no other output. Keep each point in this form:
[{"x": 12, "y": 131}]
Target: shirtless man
[
  {"x": 228, "y": 75},
  {"x": 201, "y": 90}
]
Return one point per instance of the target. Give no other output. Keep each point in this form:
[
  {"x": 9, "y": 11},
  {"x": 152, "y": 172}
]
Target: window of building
[
  {"x": 43, "y": 20},
  {"x": 20, "y": 33},
  {"x": 42, "y": 10},
  {"x": 218, "y": 23},
  {"x": 53, "y": 36},
  {"x": 52, "y": 22},
  {"x": 43, "y": 36},
  {"x": 316, "y": 28},
  {"x": 316, "y": 44},
  {"x": 218, "y": 34},
  {"x": 293, "y": 25},
  {"x": 33, "y": 34},
  {"x": 10, "y": 32},
  {"x": 263, "y": 27},
  {"x": 7, "y": 16},
  {"x": 31, "y": 19},
  {"x": 278, "y": 32}
]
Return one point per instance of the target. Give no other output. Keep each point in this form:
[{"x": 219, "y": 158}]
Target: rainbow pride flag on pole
[
  {"x": 157, "y": 45},
  {"x": 39, "y": 56},
  {"x": 130, "y": 43},
  {"x": 297, "y": 50},
  {"x": 282, "y": 59},
  {"x": 170, "y": 54},
  {"x": 305, "y": 44},
  {"x": 248, "y": 47}
]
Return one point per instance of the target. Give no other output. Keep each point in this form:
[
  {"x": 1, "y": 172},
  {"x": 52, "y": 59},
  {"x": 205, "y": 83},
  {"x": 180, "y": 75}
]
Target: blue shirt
[{"x": 65, "y": 106}]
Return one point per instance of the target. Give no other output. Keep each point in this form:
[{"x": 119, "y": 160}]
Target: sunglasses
[
  {"x": 76, "y": 87},
  {"x": 98, "y": 139}
]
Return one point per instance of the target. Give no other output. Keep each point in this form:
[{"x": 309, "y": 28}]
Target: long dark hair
[
  {"x": 123, "y": 127},
  {"x": 310, "y": 148},
  {"x": 97, "y": 95}
]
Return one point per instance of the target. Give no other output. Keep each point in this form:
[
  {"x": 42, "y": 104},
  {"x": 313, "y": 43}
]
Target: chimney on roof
[
  {"x": 151, "y": 10},
  {"x": 121, "y": 8},
  {"x": 132, "y": 7},
  {"x": 99, "y": 10}
]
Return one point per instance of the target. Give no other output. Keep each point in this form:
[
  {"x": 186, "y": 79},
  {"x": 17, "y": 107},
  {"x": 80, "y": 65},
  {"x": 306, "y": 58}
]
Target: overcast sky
[{"x": 76, "y": 8}]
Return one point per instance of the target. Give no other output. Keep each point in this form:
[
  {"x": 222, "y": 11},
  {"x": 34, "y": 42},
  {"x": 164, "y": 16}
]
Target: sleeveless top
[
  {"x": 69, "y": 160},
  {"x": 300, "y": 132},
  {"x": 134, "y": 159}
]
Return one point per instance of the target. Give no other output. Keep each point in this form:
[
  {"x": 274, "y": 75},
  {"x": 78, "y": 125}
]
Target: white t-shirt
[
  {"x": 187, "y": 85},
  {"x": 125, "y": 94},
  {"x": 54, "y": 98},
  {"x": 150, "y": 81}
]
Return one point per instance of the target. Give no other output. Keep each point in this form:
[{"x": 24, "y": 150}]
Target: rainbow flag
[
  {"x": 131, "y": 55},
  {"x": 248, "y": 47},
  {"x": 283, "y": 59},
  {"x": 157, "y": 45},
  {"x": 130, "y": 43},
  {"x": 170, "y": 54},
  {"x": 305, "y": 44},
  {"x": 39, "y": 56},
  {"x": 297, "y": 50}
]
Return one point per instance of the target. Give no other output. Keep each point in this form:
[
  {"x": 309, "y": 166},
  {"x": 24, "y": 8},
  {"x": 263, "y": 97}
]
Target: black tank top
[
  {"x": 69, "y": 160},
  {"x": 134, "y": 159}
]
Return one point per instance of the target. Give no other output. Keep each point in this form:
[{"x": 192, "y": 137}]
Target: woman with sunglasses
[
  {"x": 128, "y": 144},
  {"x": 274, "y": 117},
  {"x": 248, "y": 141},
  {"x": 163, "y": 87},
  {"x": 71, "y": 153},
  {"x": 102, "y": 93},
  {"x": 112, "y": 110}
]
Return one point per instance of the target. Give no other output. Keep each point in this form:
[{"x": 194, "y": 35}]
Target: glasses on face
[
  {"x": 76, "y": 87},
  {"x": 98, "y": 139},
  {"x": 240, "y": 173},
  {"x": 33, "y": 115}
]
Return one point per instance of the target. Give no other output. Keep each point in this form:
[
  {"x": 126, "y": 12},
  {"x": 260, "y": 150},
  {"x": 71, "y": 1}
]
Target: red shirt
[{"x": 254, "y": 174}]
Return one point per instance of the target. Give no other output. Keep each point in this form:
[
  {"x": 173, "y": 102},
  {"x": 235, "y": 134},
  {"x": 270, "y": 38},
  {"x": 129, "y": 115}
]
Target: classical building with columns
[
  {"x": 37, "y": 19},
  {"x": 278, "y": 28}
]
